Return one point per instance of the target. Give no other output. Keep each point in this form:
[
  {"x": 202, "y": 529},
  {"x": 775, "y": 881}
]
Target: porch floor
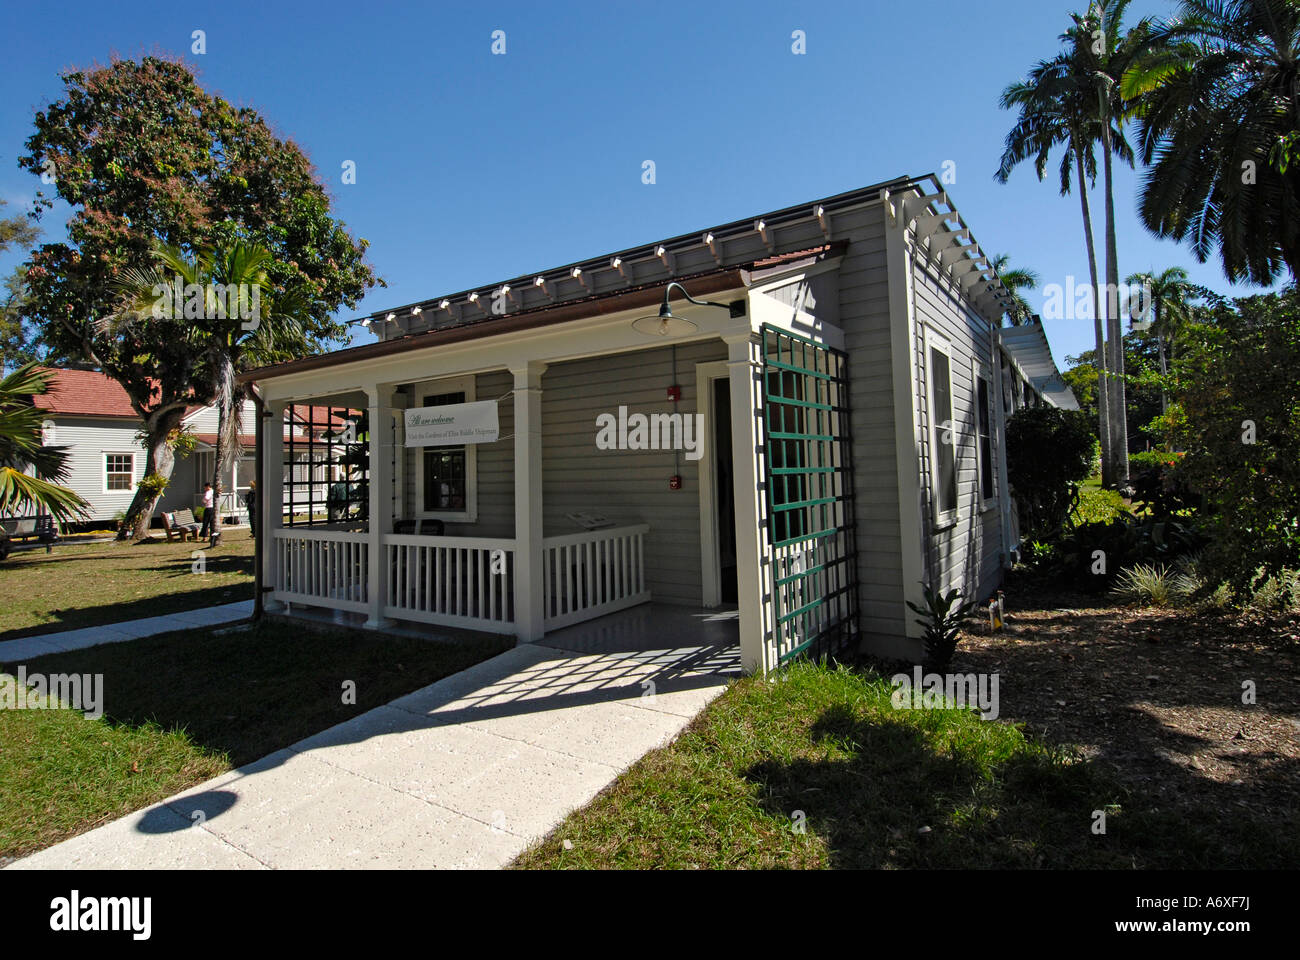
[{"x": 699, "y": 641}]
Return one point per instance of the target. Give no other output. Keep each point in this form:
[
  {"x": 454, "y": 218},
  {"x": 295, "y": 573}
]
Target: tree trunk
[
  {"x": 1114, "y": 327},
  {"x": 160, "y": 459},
  {"x": 1103, "y": 414},
  {"x": 1164, "y": 368},
  {"x": 227, "y": 433}
]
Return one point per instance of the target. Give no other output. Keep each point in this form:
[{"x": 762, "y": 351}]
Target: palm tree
[
  {"x": 1219, "y": 126},
  {"x": 1056, "y": 108},
  {"x": 1015, "y": 280},
  {"x": 237, "y": 311},
  {"x": 1165, "y": 295},
  {"x": 1100, "y": 51},
  {"x": 21, "y": 449}
]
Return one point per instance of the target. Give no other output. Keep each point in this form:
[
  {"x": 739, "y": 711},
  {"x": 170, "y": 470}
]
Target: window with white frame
[
  {"x": 119, "y": 472},
  {"x": 446, "y": 476},
  {"x": 943, "y": 434},
  {"x": 984, "y": 435}
]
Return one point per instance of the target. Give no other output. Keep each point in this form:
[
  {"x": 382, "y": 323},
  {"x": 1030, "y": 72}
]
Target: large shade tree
[
  {"x": 16, "y": 347},
  {"x": 1218, "y": 97},
  {"x": 144, "y": 156},
  {"x": 229, "y": 309}
]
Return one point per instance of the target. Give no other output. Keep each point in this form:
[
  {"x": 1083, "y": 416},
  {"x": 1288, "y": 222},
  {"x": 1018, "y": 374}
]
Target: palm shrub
[
  {"x": 21, "y": 450},
  {"x": 941, "y": 618}
]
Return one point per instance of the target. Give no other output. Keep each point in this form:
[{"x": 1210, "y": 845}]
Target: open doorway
[{"x": 724, "y": 492}]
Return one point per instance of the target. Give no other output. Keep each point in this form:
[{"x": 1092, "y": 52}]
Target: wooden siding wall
[
  {"x": 865, "y": 319},
  {"x": 87, "y": 440},
  {"x": 967, "y": 553},
  {"x": 628, "y": 486},
  {"x": 496, "y": 463}
]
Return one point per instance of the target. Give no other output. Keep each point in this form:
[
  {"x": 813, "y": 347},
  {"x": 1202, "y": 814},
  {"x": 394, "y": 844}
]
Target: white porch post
[
  {"x": 380, "y": 523},
  {"x": 272, "y": 497},
  {"x": 529, "y": 612},
  {"x": 744, "y": 367}
]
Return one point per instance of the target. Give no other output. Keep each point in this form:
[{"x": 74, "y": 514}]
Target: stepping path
[
  {"x": 27, "y": 648},
  {"x": 466, "y": 772}
]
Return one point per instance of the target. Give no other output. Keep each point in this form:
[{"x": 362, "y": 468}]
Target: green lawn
[
  {"x": 83, "y": 585},
  {"x": 878, "y": 788},
  {"x": 183, "y": 707}
]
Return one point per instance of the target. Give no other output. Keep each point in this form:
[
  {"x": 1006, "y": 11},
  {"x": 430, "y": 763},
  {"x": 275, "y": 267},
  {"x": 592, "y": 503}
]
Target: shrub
[
  {"x": 1238, "y": 391},
  {"x": 1146, "y": 583},
  {"x": 941, "y": 617},
  {"x": 1098, "y": 506},
  {"x": 1049, "y": 452},
  {"x": 1273, "y": 593},
  {"x": 1152, "y": 459}
]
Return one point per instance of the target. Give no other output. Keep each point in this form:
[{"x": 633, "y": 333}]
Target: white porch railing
[
  {"x": 590, "y": 574},
  {"x": 324, "y": 568},
  {"x": 455, "y": 581}
]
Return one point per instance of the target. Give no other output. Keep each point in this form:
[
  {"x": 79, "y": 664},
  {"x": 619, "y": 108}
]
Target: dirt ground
[{"x": 1157, "y": 696}]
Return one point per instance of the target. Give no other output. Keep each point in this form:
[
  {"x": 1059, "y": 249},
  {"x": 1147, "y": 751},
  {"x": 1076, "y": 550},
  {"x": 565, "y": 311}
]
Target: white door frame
[{"x": 710, "y": 559}]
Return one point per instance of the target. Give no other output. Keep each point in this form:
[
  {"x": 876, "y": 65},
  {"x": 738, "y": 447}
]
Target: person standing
[
  {"x": 206, "y": 529},
  {"x": 250, "y": 501}
]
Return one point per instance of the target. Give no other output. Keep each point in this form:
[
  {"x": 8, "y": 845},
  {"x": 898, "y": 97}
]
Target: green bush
[
  {"x": 1148, "y": 584},
  {"x": 1152, "y": 459},
  {"x": 1098, "y": 506},
  {"x": 1237, "y": 390},
  {"x": 1049, "y": 452}
]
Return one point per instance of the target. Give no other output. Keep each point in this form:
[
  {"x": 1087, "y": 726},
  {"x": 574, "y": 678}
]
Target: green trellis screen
[{"x": 809, "y": 503}]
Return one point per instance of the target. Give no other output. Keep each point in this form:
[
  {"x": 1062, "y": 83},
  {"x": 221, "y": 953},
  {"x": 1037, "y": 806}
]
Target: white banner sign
[{"x": 452, "y": 425}]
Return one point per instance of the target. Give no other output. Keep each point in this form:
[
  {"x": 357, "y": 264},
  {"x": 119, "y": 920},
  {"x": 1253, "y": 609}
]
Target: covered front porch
[
  {"x": 533, "y": 532},
  {"x": 549, "y": 511}
]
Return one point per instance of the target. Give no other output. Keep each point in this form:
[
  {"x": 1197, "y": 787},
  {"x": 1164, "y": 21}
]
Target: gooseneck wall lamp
[{"x": 664, "y": 324}]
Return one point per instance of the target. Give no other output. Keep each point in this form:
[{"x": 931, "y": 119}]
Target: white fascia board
[{"x": 591, "y": 336}]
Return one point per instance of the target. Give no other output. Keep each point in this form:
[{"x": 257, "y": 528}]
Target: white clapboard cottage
[
  {"x": 811, "y": 436},
  {"x": 90, "y": 413}
]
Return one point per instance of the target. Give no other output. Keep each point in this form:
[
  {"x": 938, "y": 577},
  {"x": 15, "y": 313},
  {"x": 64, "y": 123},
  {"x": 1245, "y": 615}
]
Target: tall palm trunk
[
  {"x": 1114, "y": 327},
  {"x": 1164, "y": 368},
  {"x": 1103, "y": 412},
  {"x": 223, "y": 365}
]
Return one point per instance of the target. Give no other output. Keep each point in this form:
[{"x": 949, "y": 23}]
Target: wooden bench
[
  {"x": 179, "y": 524},
  {"x": 22, "y": 528}
]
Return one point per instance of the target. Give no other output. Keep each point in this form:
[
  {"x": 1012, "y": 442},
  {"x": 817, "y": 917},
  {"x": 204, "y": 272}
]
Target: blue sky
[{"x": 473, "y": 167}]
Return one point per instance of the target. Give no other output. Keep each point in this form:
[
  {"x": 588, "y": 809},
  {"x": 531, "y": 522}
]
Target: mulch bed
[{"x": 1156, "y": 696}]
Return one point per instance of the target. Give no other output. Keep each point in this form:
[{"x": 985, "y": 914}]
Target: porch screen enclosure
[
  {"x": 317, "y": 555},
  {"x": 808, "y": 479}
]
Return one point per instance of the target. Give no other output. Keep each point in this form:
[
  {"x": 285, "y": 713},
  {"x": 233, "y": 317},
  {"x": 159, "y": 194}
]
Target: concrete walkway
[
  {"x": 26, "y": 648},
  {"x": 465, "y": 772}
]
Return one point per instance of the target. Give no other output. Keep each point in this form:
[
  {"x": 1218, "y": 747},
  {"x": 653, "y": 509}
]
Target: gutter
[{"x": 703, "y": 284}]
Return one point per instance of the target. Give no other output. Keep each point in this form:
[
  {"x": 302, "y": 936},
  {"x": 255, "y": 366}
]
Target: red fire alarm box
[
  {"x": 674, "y": 483},
  {"x": 674, "y": 393}
]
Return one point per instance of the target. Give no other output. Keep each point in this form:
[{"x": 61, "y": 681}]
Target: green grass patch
[
  {"x": 868, "y": 779},
  {"x": 84, "y": 585},
  {"x": 183, "y": 707}
]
